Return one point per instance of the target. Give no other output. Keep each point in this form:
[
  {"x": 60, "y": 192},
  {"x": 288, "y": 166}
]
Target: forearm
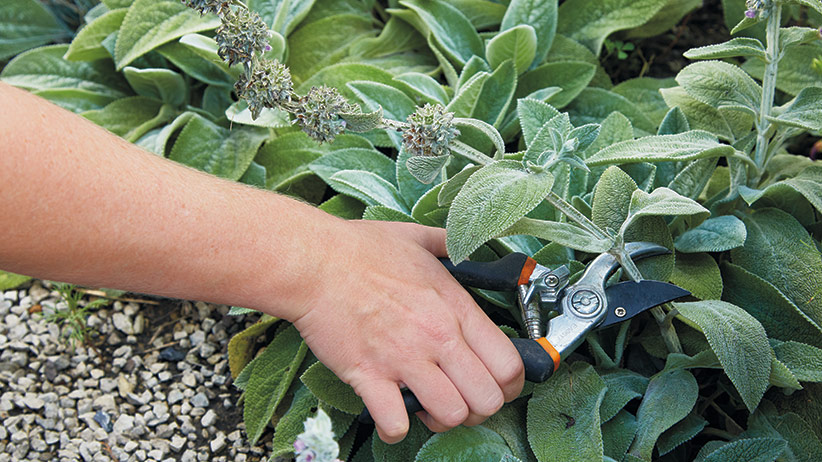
[{"x": 85, "y": 206}]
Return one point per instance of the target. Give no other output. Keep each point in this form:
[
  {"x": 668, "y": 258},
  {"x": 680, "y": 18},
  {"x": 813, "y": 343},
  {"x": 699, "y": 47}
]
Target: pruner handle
[
  {"x": 539, "y": 358},
  {"x": 507, "y": 273}
]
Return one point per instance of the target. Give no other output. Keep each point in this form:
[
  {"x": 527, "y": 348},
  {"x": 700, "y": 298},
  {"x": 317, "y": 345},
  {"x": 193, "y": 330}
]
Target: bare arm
[{"x": 82, "y": 205}]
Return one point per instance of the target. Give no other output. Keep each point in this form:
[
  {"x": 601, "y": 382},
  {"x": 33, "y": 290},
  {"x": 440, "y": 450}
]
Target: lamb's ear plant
[{"x": 501, "y": 126}]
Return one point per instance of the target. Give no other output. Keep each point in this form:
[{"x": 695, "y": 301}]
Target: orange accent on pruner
[
  {"x": 546, "y": 345},
  {"x": 527, "y": 270}
]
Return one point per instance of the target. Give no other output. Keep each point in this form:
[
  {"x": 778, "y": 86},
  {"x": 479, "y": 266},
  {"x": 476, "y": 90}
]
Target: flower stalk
[{"x": 773, "y": 13}]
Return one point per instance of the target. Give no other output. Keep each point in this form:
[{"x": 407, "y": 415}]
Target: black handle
[
  {"x": 539, "y": 366},
  {"x": 503, "y": 274}
]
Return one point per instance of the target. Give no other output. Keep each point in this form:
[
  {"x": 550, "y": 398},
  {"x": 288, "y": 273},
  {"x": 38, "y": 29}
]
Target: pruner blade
[{"x": 628, "y": 299}]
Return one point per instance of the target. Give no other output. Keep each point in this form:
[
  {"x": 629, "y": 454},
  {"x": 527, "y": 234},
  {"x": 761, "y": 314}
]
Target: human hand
[{"x": 387, "y": 314}]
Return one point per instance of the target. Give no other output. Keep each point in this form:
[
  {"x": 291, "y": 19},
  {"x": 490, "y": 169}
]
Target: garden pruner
[{"x": 582, "y": 307}]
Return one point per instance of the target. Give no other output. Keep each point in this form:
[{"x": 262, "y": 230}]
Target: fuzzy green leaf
[
  {"x": 195, "y": 65},
  {"x": 699, "y": 274},
  {"x": 591, "y": 21},
  {"x": 518, "y": 43},
  {"x": 804, "y": 111},
  {"x": 612, "y": 198},
  {"x": 302, "y": 407},
  {"x": 406, "y": 449},
  {"x": 493, "y": 199},
  {"x": 681, "y": 432},
  {"x": 780, "y": 317},
  {"x": 411, "y": 189},
  {"x": 644, "y": 93},
  {"x": 458, "y": 37},
  {"x": 593, "y": 105},
  {"x": 674, "y": 122},
  {"x": 749, "y": 450},
  {"x": 487, "y": 96},
  {"x": 804, "y": 445},
  {"x": 533, "y": 115},
  {"x": 779, "y": 250},
  {"x": 11, "y": 280},
  {"x": 669, "y": 398},
  {"x": 541, "y": 15},
  {"x": 804, "y": 361},
  {"x": 151, "y": 23},
  {"x": 623, "y": 386},
  {"x": 217, "y": 150},
  {"x": 700, "y": 115},
  {"x": 739, "y": 342},
  {"x": 241, "y": 346},
  {"x": 565, "y": 234},
  {"x": 808, "y": 183},
  {"x": 691, "y": 180},
  {"x": 720, "y": 85},
  {"x": 367, "y": 159},
  {"x": 344, "y": 207},
  {"x": 330, "y": 389},
  {"x": 734, "y": 48},
  {"x": 695, "y": 144},
  {"x": 574, "y": 392},
  {"x": 163, "y": 84},
  {"x": 271, "y": 376},
  {"x": 88, "y": 43},
  {"x": 131, "y": 117},
  {"x": 369, "y": 188},
  {"x": 795, "y": 70},
  {"x": 44, "y": 69},
  {"x": 26, "y": 24},
  {"x": 450, "y": 189},
  {"x": 465, "y": 443},
  {"x": 281, "y": 15},
  {"x": 425, "y": 86},
  {"x": 571, "y": 76},
  {"x": 362, "y": 122},
  {"x": 427, "y": 168},
  {"x": 661, "y": 202},
  {"x": 617, "y": 435},
  {"x": 815, "y": 4},
  {"x": 713, "y": 235},
  {"x": 322, "y": 43}
]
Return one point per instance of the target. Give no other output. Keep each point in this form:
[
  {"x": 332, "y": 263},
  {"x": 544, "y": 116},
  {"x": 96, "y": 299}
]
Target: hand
[{"x": 387, "y": 314}]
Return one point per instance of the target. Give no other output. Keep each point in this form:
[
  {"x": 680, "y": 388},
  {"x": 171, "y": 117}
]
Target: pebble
[{"x": 143, "y": 402}]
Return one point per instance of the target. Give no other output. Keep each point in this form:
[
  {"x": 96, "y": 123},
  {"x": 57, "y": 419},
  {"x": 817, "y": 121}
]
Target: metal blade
[{"x": 628, "y": 299}]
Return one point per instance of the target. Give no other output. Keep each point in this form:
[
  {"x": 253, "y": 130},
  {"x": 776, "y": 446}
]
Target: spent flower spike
[
  {"x": 316, "y": 443},
  {"x": 758, "y": 7},
  {"x": 430, "y": 130},
  {"x": 318, "y": 113},
  {"x": 219, "y": 7},
  {"x": 241, "y": 34},
  {"x": 267, "y": 85}
]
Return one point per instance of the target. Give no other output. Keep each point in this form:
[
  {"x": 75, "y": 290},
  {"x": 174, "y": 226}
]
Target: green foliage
[
  {"x": 699, "y": 162},
  {"x": 73, "y": 317}
]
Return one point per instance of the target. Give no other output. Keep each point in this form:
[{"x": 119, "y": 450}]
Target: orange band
[
  {"x": 527, "y": 270},
  {"x": 546, "y": 345}
]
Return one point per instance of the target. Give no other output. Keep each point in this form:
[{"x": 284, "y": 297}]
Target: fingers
[
  {"x": 496, "y": 352},
  {"x": 384, "y": 402}
]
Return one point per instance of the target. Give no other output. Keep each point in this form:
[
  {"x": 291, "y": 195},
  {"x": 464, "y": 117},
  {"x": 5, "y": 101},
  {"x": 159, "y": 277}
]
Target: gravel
[{"x": 149, "y": 389}]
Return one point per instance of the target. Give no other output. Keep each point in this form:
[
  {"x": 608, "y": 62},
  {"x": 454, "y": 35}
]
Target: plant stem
[
  {"x": 666, "y": 327},
  {"x": 622, "y": 336},
  {"x": 768, "y": 86},
  {"x": 602, "y": 357},
  {"x": 466, "y": 151},
  {"x": 571, "y": 212}
]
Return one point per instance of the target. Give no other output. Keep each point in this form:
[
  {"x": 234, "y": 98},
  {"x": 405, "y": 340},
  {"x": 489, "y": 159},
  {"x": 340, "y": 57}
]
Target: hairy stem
[
  {"x": 768, "y": 87},
  {"x": 469, "y": 153},
  {"x": 622, "y": 337},
  {"x": 599, "y": 353},
  {"x": 666, "y": 327},
  {"x": 575, "y": 215}
]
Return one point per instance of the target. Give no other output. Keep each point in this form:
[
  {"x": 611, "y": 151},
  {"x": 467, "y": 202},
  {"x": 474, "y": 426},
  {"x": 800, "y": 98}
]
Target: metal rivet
[
  {"x": 551, "y": 280},
  {"x": 585, "y": 302},
  {"x": 620, "y": 312}
]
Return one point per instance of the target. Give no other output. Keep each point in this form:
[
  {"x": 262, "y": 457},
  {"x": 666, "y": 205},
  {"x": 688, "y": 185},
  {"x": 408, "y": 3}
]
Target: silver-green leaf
[
  {"x": 493, "y": 199},
  {"x": 739, "y": 342},
  {"x": 713, "y": 235}
]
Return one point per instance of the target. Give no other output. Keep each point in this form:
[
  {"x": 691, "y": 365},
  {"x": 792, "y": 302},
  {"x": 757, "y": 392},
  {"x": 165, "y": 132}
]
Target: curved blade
[{"x": 636, "y": 297}]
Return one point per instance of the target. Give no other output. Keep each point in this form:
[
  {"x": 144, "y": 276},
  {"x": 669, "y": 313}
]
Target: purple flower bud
[
  {"x": 299, "y": 446},
  {"x": 268, "y": 48},
  {"x": 750, "y": 14}
]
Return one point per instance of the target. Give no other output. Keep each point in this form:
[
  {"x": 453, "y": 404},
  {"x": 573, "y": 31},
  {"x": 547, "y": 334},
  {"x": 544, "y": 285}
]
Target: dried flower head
[
  {"x": 318, "y": 113},
  {"x": 430, "y": 130},
  {"x": 268, "y": 85},
  {"x": 220, "y": 7},
  {"x": 241, "y": 34}
]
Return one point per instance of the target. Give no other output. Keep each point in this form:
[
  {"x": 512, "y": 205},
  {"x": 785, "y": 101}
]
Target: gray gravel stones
[{"x": 121, "y": 400}]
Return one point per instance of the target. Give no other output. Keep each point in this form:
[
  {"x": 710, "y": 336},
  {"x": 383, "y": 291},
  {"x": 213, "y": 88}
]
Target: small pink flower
[
  {"x": 750, "y": 14},
  {"x": 268, "y": 48},
  {"x": 299, "y": 446}
]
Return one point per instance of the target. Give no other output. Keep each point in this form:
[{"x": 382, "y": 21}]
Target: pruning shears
[{"x": 583, "y": 306}]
